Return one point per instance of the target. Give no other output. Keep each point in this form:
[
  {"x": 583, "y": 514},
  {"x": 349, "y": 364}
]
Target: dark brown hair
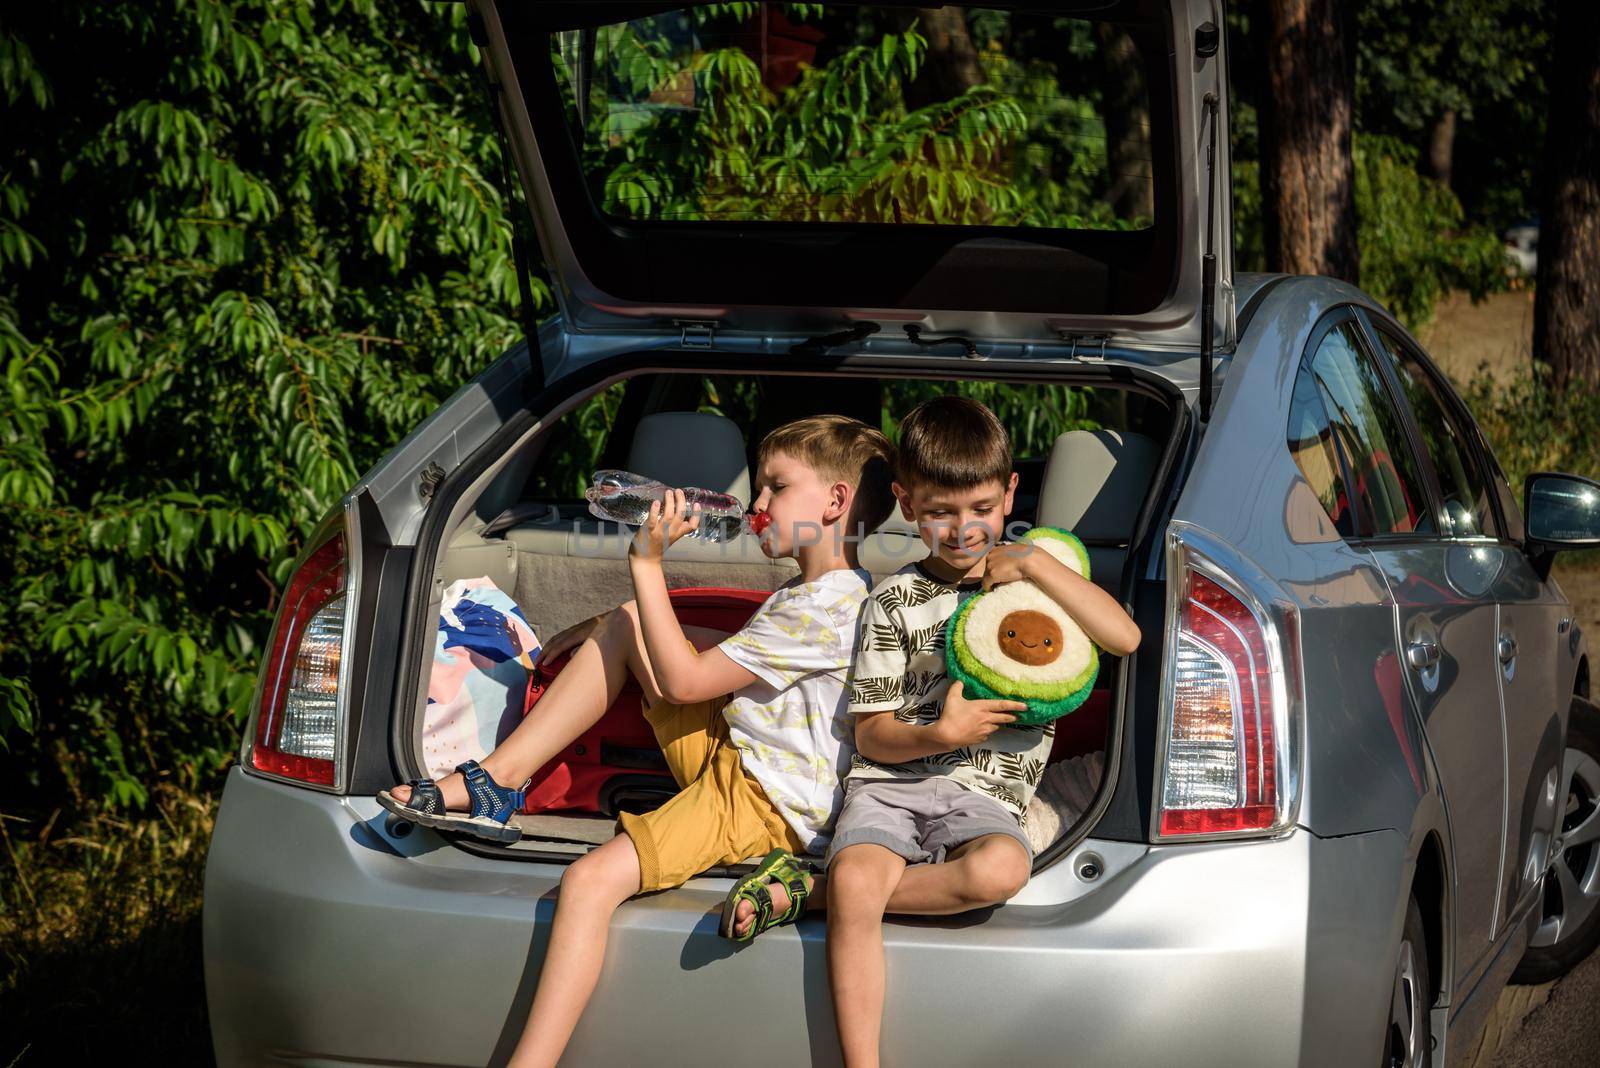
[{"x": 953, "y": 443}]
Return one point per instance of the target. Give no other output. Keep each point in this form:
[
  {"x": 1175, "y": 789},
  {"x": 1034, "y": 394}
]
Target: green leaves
[
  {"x": 231, "y": 277},
  {"x": 680, "y": 127},
  {"x": 1415, "y": 244}
]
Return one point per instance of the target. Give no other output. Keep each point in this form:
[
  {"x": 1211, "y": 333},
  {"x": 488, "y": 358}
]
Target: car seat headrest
[
  {"x": 1095, "y": 481},
  {"x": 691, "y": 449}
]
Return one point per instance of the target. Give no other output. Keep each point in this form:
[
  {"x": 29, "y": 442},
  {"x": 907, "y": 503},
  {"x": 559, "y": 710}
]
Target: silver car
[{"x": 1350, "y": 778}]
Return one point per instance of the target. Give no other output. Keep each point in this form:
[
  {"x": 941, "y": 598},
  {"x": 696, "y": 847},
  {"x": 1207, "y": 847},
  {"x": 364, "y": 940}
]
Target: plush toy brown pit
[{"x": 1030, "y": 637}]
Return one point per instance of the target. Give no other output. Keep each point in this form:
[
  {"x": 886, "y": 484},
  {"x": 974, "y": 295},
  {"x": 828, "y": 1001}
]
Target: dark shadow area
[
  {"x": 821, "y": 1029},
  {"x": 705, "y": 945},
  {"x": 544, "y": 913},
  {"x": 96, "y": 999}
]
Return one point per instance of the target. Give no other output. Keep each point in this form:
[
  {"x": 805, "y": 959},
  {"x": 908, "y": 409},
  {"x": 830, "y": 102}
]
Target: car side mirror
[{"x": 1561, "y": 512}]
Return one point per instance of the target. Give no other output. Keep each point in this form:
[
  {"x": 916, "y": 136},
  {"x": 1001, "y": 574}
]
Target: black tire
[
  {"x": 1572, "y": 885},
  {"x": 1408, "y": 1040}
]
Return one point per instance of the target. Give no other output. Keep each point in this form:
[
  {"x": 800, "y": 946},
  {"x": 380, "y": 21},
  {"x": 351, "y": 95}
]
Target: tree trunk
[
  {"x": 1308, "y": 188},
  {"x": 1566, "y": 308},
  {"x": 1442, "y": 147},
  {"x": 1127, "y": 117},
  {"x": 951, "y": 66}
]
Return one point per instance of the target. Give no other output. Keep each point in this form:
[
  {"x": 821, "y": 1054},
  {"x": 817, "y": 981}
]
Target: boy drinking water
[
  {"x": 752, "y": 725},
  {"x": 936, "y": 791}
]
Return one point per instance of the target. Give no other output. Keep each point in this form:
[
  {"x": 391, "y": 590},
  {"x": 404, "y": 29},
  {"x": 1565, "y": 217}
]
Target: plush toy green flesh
[{"x": 1046, "y": 701}]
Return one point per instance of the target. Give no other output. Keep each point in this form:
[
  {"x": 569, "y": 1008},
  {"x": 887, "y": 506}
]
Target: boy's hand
[
  {"x": 967, "y": 722},
  {"x": 1011, "y": 562},
  {"x": 667, "y": 522}
]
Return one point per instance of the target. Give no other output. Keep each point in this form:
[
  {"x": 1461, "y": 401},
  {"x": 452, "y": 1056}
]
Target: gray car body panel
[{"x": 326, "y": 938}]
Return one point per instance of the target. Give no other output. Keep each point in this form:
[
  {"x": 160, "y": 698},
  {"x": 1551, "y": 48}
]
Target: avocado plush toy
[{"x": 1015, "y": 643}]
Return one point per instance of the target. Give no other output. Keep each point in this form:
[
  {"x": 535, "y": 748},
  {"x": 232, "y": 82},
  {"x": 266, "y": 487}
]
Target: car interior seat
[
  {"x": 1094, "y": 483},
  {"x": 691, "y": 449}
]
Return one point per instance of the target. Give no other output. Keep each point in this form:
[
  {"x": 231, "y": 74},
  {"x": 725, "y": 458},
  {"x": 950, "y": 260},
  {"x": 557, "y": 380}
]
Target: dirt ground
[{"x": 1464, "y": 336}]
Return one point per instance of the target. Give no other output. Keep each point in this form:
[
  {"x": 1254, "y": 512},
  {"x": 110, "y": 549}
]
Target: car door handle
[
  {"x": 1507, "y": 648},
  {"x": 1422, "y": 655}
]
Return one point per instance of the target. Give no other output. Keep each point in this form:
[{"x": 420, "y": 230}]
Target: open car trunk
[
  {"x": 778, "y": 169},
  {"x": 522, "y": 526}
]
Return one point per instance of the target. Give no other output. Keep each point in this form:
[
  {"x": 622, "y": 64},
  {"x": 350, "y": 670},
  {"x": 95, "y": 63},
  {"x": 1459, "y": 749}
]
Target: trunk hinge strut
[{"x": 1208, "y": 263}]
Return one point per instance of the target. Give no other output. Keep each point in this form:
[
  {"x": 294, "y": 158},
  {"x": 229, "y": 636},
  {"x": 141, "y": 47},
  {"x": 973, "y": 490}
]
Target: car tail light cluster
[
  {"x": 1229, "y": 755},
  {"x": 299, "y": 723}
]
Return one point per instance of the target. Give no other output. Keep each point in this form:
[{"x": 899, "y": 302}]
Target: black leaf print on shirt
[
  {"x": 1009, "y": 766},
  {"x": 891, "y": 598},
  {"x": 1001, "y": 794},
  {"x": 926, "y": 640},
  {"x": 882, "y": 638},
  {"x": 1033, "y": 773},
  {"x": 876, "y": 690},
  {"x": 922, "y": 683}
]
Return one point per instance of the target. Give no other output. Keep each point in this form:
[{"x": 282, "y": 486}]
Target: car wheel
[
  {"x": 1409, "y": 1038},
  {"x": 1569, "y": 928}
]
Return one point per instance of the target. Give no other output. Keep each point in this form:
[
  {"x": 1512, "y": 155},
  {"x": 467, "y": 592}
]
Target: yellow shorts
[{"x": 719, "y": 816}]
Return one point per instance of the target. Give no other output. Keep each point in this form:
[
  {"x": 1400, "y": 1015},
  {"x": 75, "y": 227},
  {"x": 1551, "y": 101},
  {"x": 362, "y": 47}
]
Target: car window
[
  {"x": 1311, "y": 445},
  {"x": 1510, "y": 507},
  {"x": 1462, "y": 482},
  {"x": 1366, "y": 425},
  {"x": 813, "y": 114}
]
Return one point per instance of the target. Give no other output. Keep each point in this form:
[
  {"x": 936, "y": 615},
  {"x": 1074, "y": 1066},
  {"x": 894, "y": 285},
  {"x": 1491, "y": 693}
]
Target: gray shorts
[{"x": 920, "y": 819}]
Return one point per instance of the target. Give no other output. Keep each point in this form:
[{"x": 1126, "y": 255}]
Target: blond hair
[{"x": 841, "y": 449}]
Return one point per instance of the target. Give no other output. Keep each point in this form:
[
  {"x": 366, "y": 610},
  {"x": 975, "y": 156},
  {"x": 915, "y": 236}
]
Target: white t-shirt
[{"x": 790, "y": 726}]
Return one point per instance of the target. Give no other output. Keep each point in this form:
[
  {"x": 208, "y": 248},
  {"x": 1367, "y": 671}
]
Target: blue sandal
[{"x": 493, "y": 806}]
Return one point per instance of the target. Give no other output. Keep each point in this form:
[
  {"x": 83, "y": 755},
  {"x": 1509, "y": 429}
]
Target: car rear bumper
[{"x": 325, "y": 940}]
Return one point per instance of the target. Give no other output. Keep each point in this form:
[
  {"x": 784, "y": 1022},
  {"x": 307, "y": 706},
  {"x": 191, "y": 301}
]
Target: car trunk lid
[{"x": 796, "y": 171}]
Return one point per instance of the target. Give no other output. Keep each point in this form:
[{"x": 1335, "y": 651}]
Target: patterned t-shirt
[
  {"x": 900, "y": 668},
  {"x": 790, "y": 726}
]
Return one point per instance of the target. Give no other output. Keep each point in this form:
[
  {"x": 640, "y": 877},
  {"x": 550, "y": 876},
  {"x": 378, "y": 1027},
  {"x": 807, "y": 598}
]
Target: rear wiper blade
[
  {"x": 816, "y": 346},
  {"x": 914, "y": 333}
]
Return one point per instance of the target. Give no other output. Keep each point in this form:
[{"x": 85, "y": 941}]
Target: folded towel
[
  {"x": 482, "y": 654},
  {"x": 1063, "y": 795}
]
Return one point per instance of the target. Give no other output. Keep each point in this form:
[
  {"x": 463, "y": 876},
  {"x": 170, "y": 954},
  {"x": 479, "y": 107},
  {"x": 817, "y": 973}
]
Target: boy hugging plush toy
[{"x": 1016, "y": 643}]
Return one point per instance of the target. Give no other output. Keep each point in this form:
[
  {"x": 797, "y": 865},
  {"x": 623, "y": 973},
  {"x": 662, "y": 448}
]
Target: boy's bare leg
[
  {"x": 591, "y": 890},
  {"x": 984, "y": 871},
  {"x": 576, "y": 700},
  {"x": 861, "y": 881}
]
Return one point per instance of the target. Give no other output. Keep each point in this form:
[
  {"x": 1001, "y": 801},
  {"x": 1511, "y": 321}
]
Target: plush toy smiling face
[
  {"x": 1030, "y": 637},
  {"x": 1016, "y": 642}
]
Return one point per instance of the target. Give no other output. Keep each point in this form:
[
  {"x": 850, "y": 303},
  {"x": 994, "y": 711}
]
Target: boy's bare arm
[
  {"x": 1097, "y": 612},
  {"x": 882, "y": 738},
  {"x": 684, "y": 674}
]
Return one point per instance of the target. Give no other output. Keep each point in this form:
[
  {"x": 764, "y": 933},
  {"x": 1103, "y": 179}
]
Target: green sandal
[{"x": 778, "y": 866}]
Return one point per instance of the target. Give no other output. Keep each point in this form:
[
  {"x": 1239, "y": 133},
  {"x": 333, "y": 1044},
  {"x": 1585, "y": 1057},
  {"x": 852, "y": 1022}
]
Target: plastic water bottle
[{"x": 624, "y": 497}]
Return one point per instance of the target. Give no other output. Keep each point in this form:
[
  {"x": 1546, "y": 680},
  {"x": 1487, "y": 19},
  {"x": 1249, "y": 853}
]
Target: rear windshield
[{"x": 820, "y": 114}]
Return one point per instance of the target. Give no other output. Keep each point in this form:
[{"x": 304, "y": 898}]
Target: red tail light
[
  {"x": 297, "y": 727},
  {"x": 1228, "y": 767}
]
